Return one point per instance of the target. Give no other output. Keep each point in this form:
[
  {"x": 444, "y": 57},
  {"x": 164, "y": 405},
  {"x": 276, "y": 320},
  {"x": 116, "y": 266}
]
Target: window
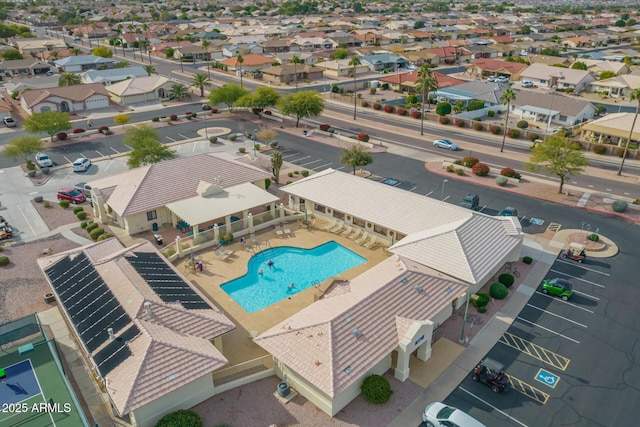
[{"x": 151, "y": 215}]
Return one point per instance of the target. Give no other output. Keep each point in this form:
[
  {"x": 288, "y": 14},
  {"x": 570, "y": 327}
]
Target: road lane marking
[
  {"x": 564, "y": 302},
  {"x": 578, "y": 278},
  {"x": 493, "y": 407},
  {"x": 340, "y": 168},
  {"x": 528, "y": 390},
  {"x": 583, "y": 200},
  {"x": 529, "y": 348},
  {"x": 583, "y": 267},
  {"x": 556, "y": 315},
  {"x": 548, "y": 330}
]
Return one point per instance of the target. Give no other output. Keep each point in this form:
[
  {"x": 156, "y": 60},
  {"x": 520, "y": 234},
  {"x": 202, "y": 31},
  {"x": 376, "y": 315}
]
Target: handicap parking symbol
[
  {"x": 536, "y": 221},
  {"x": 547, "y": 378}
]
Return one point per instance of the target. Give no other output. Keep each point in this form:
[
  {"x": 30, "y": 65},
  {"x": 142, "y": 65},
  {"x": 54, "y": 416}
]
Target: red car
[{"x": 72, "y": 195}]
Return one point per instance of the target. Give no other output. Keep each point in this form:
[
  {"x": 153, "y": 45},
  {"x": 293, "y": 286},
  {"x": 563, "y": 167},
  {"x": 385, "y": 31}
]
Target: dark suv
[{"x": 471, "y": 201}]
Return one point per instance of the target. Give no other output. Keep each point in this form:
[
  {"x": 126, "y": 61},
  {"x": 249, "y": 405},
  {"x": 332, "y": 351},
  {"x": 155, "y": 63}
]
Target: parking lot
[{"x": 569, "y": 362}]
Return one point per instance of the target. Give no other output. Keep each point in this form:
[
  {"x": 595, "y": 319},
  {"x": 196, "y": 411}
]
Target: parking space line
[
  {"x": 557, "y": 315},
  {"x": 445, "y": 198},
  {"x": 340, "y": 168},
  {"x": 482, "y": 208},
  {"x": 429, "y": 193},
  {"x": 413, "y": 188},
  {"x": 586, "y": 295},
  {"x": 183, "y": 137},
  {"x": 578, "y": 278},
  {"x": 547, "y": 329},
  {"x": 67, "y": 159},
  {"x": 528, "y": 390},
  {"x": 549, "y": 357},
  {"x": 290, "y": 155},
  {"x": 321, "y": 167},
  {"x": 564, "y": 302},
  {"x": 300, "y": 159},
  {"x": 493, "y": 407},
  {"x": 130, "y": 149},
  {"x": 99, "y": 154},
  {"x": 583, "y": 267},
  {"x": 309, "y": 163},
  {"x": 170, "y": 139}
]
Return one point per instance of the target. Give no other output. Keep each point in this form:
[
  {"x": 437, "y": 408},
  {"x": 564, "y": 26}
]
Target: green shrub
[
  {"x": 372, "y": 91},
  {"x": 506, "y": 279},
  {"x": 83, "y": 224},
  {"x": 458, "y": 162},
  {"x": 31, "y": 166},
  {"x": 169, "y": 252},
  {"x": 480, "y": 169},
  {"x": 38, "y": 199},
  {"x": 288, "y": 182},
  {"x": 31, "y": 173},
  {"x": 594, "y": 237},
  {"x": 469, "y": 161},
  {"x": 64, "y": 204},
  {"x": 364, "y": 103},
  {"x": 482, "y": 309},
  {"x": 620, "y": 152},
  {"x": 213, "y": 139},
  {"x": 267, "y": 183},
  {"x": 527, "y": 260},
  {"x": 46, "y": 204},
  {"x": 96, "y": 232},
  {"x": 4, "y": 260},
  {"x": 155, "y": 119},
  {"x": 481, "y": 300},
  {"x": 498, "y": 290},
  {"x": 242, "y": 150},
  {"x": 459, "y": 172},
  {"x": 186, "y": 246},
  {"x": 534, "y": 136},
  {"x": 180, "y": 418},
  {"x": 1, "y": 247},
  {"x": 636, "y": 202},
  {"x": 81, "y": 215},
  {"x": 619, "y": 206},
  {"x": 376, "y": 389},
  {"x": 91, "y": 226},
  {"x": 46, "y": 170},
  {"x": 459, "y": 123},
  {"x": 501, "y": 181},
  {"x": 104, "y": 236},
  {"x": 443, "y": 108},
  {"x": 514, "y": 133},
  {"x": 475, "y": 105},
  {"x": 290, "y": 174},
  {"x": 202, "y": 238},
  {"x": 491, "y": 113},
  {"x": 78, "y": 209},
  {"x": 496, "y": 130},
  {"x": 377, "y": 106},
  {"x": 451, "y": 168},
  {"x": 599, "y": 149},
  {"x": 444, "y": 120},
  {"x": 522, "y": 124},
  {"x": 304, "y": 173},
  {"x": 233, "y": 137},
  {"x": 477, "y": 126}
]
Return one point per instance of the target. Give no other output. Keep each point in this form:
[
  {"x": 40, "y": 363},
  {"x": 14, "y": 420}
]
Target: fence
[
  {"x": 243, "y": 373},
  {"x": 18, "y": 329}
]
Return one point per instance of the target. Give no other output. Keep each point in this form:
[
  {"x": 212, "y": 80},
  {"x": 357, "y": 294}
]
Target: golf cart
[
  {"x": 6, "y": 232},
  {"x": 491, "y": 373},
  {"x": 575, "y": 252}
]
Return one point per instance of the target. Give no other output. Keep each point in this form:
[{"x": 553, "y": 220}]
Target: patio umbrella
[{"x": 192, "y": 257}]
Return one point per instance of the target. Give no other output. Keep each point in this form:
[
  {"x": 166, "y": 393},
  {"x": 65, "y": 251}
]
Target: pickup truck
[{"x": 84, "y": 188}]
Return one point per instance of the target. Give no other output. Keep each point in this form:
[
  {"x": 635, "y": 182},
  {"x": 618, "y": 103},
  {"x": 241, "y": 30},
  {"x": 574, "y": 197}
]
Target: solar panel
[
  {"x": 116, "y": 352},
  {"x": 164, "y": 281}
]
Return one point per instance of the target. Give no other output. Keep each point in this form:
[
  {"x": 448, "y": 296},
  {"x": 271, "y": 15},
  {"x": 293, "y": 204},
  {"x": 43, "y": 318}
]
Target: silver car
[
  {"x": 445, "y": 143},
  {"x": 438, "y": 414},
  {"x": 81, "y": 164}
]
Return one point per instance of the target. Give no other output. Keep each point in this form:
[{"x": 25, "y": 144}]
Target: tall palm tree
[
  {"x": 354, "y": 62},
  {"x": 240, "y": 60},
  {"x": 54, "y": 54},
  {"x": 69, "y": 79},
  {"x": 633, "y": 96},
  {"x": 150, "y": 69},
  {"x": 179, "y": 91},
  {"x": 200, "y": 81},
  {"x": 75, "y": 51},
  {"x": 507, "y": 96},
  {"x": 295, "y": 60},
  {"x": 205, "y": 45},
  {"x": 425, "y": 83}
]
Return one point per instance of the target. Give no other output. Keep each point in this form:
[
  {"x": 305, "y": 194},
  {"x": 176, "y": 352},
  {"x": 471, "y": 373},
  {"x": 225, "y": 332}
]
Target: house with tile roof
[
  {"x": 153, "y": 353},
  {"x": 114, "y": 75},
  {"x": 290, "y": 73},
  {"x": 341, "y": 68},
  {"x": 166, "y": 192},
  {"x": 251, "y": 63},
  {"x": 327, "y": 350},
  {"x": 140, "y": 89},
  {"x": 407, "y": 81},
  {"x": 384, "y": 62},
  {"x": 561, "y": 78},
  {"x": 486, "y": 67},
  {"x": 24, "y": 68},
  {"x": 618, "y": 86},
  {"x": 482, "y": 90},
  {"x": 37, "y": 46},
  {"x": 551, "y": 108},
  {"x": 65, "y": 98},
  {"x": 77, "y": 64}
]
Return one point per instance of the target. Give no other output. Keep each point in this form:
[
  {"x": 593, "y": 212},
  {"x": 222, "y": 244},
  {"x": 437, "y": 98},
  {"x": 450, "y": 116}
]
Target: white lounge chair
[
  {"x": 338, "y": 227},
  {"x": 348, "y": 230},
  {"x": 356, "y": 232},
  {"x": 221, "y": 255},
  {"x": 279, "y": 231},
  {"x": 332, "y": 223},
  {"x": 286, "y": 229},
  {"x": 373, "y": 241},
  {"x": 363, "y": 239}
]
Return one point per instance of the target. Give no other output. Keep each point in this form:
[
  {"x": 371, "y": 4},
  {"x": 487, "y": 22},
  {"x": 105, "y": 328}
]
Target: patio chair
[
  {"x": 332, "y": 223},
  {"x": 286, "y": 229},
  {"x": 373, "y": 242},
  {"x": 357, "y": 233},
  {"x": 363, "y": 239},
  {"x": 279, "y": 231},
  {"x": 221, "y": 255},
  {"x": 347, "y": 231},
  {"x": 338, "y": 227}
]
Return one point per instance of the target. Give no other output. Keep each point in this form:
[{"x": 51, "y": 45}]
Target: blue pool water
[{"x": 302, "y": 267}]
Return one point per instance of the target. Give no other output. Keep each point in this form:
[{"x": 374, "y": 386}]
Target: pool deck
[{"x": 238, "y": 345}]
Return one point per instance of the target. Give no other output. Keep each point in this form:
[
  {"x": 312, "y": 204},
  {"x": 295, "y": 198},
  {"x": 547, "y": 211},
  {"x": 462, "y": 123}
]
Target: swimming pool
[{"x": 302, "y": 267}]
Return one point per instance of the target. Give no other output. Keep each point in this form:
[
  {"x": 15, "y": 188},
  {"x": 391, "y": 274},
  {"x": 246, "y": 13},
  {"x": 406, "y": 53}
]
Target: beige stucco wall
[
  {"x": 138, "y": 222},
  {"x": 182, "y": 398}
]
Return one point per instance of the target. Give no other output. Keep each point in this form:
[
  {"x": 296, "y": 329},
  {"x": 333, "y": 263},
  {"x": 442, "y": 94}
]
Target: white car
[
  {"x": 445, "y": 143},
  {"x": 81, "y": 165},
  {"x": 526, "y": 83},
  {"x": 502, "y": 79},
  {"x": 43, "y": 160},
  {"x": 438, "y": 414}
]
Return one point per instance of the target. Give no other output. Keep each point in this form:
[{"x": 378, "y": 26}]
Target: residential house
[
  {"x": 550, "y": 60},
  {"x": 36, "y": 46},
  {"x": 597, "y": 66},
  {"x": 384, "y": 62},
  {"x": 193, "y": 53},
  {"x": 613, "y": 128},
  {"x": 484, "y": 68},
  {"x": 481, "y": 90},
  {"x": 341, "y": 68},
  {"x": 291, "y": 73},
  {"x": 422, "y": 56},
  {"x": 505, "y": 50},
  {"x": 163, "y": 193},
  {"x": 160, "y": 49},
  {"x": 451, "y": 54},
  {"x": 560, "y": 78},
  {"x": 140, "y": 89},
  {"x": 482, "y": 52},
  {"x": 65, "y": 98},
  {"x": 306, "y": 58},
  {"x": 275, "y": 45},
  {"x": 209, "y": 35},
  {"x": 618, "y": 86},
  {"x": 114, "y": 75},
  {"x": 406, "y": 82},
  {"x": 77, "y": 64},
  {"x": 576, "y": 42},
  {"x": 310, "y": 44},
  {"x": 37, "y": 82},
  {"x": 24, "y": 68},
  {"x": 152, "y": 352},
  {"x": 233, "y": 50},
  {"x": 326, "y": 350},
  {"x": 552, "y": 109},
  {"x": 5, "y": 107},
  {"x": 342, "y": 38},
  {"x": 251, "y": 63}
]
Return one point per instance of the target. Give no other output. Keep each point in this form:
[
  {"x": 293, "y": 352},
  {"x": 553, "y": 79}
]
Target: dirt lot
[{"x": 55, "y": 216}]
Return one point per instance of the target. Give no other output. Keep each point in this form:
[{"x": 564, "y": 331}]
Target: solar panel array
[
  {"x": 91, "y": 305},
  {"x": 164, "y": 281},
  {"x": 114, "y": 353}
]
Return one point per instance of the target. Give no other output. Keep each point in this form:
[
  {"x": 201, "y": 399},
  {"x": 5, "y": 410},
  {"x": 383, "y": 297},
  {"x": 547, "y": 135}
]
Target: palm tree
[
  {"x": 240, "y": 60},
  {"x": 507, "y": 96},
  {"x": 122, "y": 64},
  {"x": 354, "y": 62},
  {"x": 177, "y": 39},
  {"x": 69, "y": 79},
  {"x": 633, "y": 96},
  {"x": 295, "y": 60},
  {"x": 179, "y": 91},
  {"x": 200, "y": 81},
  {"x": 54, "y": 54},
  {"x": 150, "y": 69},
  {"x": 75, "y": 51},
  {"x": 425, "y": 83}
]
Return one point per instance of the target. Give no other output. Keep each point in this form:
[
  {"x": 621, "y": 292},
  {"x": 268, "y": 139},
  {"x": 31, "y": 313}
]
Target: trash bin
[
  {"x": 154, "y": 226},
  {"x": 283, "y": 389},
  {"x": 304, "y": 132},
  {"x": 158, "y": 239}
]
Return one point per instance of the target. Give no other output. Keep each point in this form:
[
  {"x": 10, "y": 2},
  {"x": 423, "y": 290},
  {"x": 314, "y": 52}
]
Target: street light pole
[
  {"x": 464, "y": 320},
  {"x": 106, "y": 141},
  {"x": 444, "y": 181},
  {"x": 206, "y": 135},
  {"x": 181, "y": 69}
]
